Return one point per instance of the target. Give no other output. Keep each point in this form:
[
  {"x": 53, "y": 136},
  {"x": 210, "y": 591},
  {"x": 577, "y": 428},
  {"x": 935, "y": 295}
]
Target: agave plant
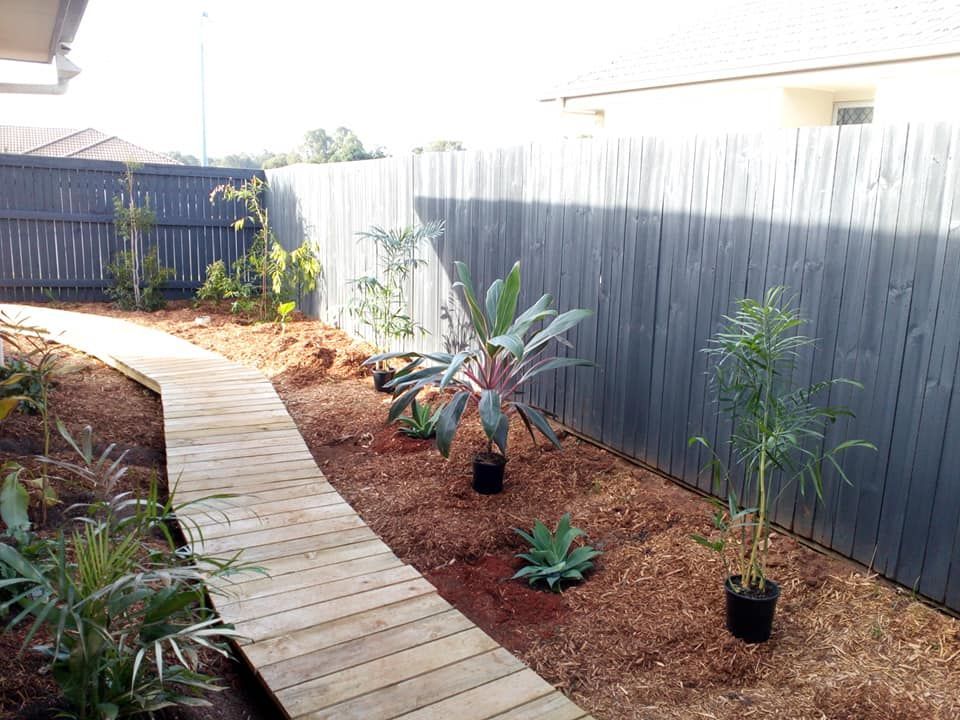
[
  {"x": 550, "y": 558},
  {"x": 421, "y": 423},
  {"x": 492, "y": 373}
]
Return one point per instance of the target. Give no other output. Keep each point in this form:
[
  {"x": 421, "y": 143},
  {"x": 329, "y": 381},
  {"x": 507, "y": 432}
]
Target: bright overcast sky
[{"x": 398, "y": 73}]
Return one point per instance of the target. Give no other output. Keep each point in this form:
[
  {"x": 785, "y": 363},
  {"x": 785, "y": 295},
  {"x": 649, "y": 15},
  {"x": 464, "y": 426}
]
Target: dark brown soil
[
  {"x": 643, "y": 637},
  {"x": 123, "y": 412}
]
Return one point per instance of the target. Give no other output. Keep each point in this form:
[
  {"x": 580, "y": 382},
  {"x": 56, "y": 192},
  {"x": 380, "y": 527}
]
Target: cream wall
[{"x": 921, "y": 90}]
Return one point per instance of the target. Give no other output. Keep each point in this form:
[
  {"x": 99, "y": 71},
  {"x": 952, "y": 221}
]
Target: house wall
[{"x": 921, "y": 90}]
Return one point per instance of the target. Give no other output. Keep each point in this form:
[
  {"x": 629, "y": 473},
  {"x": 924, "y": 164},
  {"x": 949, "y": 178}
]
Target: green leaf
[
  {"x": 560, "y": 325},
  {"x": 506, "y": 307},
  {"x": 512, "y": 343},
  {"x": 476, "y": 314},
  {"x": 533, "y": 417},
  {"x": 491, "y": 418},
  {"x": 492, "y": 301},
  {"x": 14, "y": 501},
  {"x": 449, "y": 421}
]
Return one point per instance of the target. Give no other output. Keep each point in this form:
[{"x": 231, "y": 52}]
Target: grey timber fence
[
  {"x": 57, "y": 234},
  {"x": 659, "y": 236}
]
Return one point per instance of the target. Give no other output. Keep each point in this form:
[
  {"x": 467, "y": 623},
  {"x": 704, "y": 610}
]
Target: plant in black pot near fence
[
  {"x": 381, "y": 302},
  {"x": 777, "y": 437},
  {"x": 508, "y": 354}
]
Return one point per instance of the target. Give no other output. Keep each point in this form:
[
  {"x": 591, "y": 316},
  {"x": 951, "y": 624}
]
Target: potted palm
[
  {"x": 381, "y": 302},
  {"x": 492, "y": 373},
  {"x": 777, "y": 434}
]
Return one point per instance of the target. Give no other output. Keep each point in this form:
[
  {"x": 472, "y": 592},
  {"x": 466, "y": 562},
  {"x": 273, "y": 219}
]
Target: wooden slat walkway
[{"x": 341, "y": 628}]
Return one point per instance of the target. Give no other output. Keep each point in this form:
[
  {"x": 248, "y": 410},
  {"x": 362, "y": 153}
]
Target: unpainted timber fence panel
[
  {"x": 659, "y": 236},
  {"x": 57, "y": 234}
]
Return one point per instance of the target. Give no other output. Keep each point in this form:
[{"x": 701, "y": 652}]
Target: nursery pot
[
  {"x": 488, "y": 473},
  {"x": 750, "y": 616},
  {"x": 381, "y": 378}
]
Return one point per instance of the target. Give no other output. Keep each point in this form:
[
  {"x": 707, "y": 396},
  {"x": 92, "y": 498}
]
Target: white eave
[{"x": 39, "y": 31}]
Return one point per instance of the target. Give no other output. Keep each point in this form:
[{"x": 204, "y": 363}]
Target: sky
[{"x": 399, "y": 74}]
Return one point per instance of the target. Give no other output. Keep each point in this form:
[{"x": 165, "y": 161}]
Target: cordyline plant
[
  {"x": 776, "y": 428},
  {"x": 492, "y": 373}
]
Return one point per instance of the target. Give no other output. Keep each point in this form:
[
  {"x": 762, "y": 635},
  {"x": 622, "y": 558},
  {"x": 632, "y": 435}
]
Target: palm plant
[
  {"x": 381, "y": 303},
  {"x": 123, "y": 603},
  {"x": 776, "y": 427},
  {"x": 492, "y": 373}
]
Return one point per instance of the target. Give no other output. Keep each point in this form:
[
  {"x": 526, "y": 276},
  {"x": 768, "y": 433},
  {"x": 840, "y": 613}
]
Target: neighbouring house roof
[
  {"x": 766, "y": 37},
  {"x": 87, "y": 144}
]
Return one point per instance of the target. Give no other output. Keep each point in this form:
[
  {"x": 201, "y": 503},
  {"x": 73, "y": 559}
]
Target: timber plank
[
  {"x": 312, "y": 606},
  {"x": 338, "y": 687},
  {"x": 499, "y": 696},
  {"x": 266, "y": 653}
]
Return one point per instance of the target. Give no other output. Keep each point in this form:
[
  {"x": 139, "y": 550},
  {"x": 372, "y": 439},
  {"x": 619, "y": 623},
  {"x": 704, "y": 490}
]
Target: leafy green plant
[
  {"x": 123, "y": 603},
  {"x": 138, "y": 282},
  {"x": 17, "y": 377},
  {"x": 137, "y": 277},
  {"x": 38, "y": 364},
  {"x": 18, "y": 388},
  {"x": 776, "y": 427},
  {"x": 551, "y": 557},
  {"x": 220, "y": 285},
  {"x": 492, "y": 373},
  {"x": 381, "y": 303},
  {"x": 267, "y": 268},
  {"x": 283, "y": 313},
  {"x": 421, "y": 424},
  {"x": 14, "y": 501}
]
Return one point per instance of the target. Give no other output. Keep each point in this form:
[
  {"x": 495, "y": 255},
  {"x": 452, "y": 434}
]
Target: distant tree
[
  {"x": 440, "y": 146},
  {"x": 185, "y": 158},
  {"x": 281, "y": 160},
  {"x": 342, "y": 146}
]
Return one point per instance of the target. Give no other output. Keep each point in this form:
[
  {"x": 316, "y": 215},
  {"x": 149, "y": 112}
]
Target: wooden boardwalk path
[{"x": 341, "y": 628}]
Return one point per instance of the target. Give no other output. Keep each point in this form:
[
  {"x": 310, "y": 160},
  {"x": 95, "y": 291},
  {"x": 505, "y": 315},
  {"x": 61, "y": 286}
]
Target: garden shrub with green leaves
[
  {"x": 122, "y": 602},
  {"x": 137, "y": 276},
  {"x": 138, "y": 287},
  {"x": 267, "y": 276},
  {"x": 492, "y": 373},
  {"x": 552, "y": 559}
]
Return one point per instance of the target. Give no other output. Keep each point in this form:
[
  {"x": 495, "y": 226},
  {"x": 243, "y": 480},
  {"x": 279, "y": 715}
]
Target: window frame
[{"x": 837, "y": 106}]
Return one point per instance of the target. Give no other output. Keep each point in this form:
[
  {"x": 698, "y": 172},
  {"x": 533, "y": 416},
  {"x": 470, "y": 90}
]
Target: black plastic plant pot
[
  {"x": 750, "y": 615},
  {"x": 381, "y": 378},
  {"x": 488, "y": 471}
]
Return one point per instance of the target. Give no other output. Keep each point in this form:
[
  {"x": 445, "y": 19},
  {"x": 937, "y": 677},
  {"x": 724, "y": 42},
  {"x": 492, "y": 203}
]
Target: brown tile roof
[
  {"x": 761, "y": 37},
  {"x": 88, "y": 144}
]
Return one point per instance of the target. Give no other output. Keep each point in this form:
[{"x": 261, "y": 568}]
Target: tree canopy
[
  {"x": 319, "y": 146},
  {"x": 440, "y": 146}
]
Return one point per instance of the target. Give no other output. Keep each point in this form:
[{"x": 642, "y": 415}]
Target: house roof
[
  {"x": 87, "y": 144},
  {"x": 766, "y": 37}
]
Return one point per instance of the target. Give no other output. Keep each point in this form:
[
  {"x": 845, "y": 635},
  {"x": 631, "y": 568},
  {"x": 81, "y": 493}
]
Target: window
[{"x": 852, "y": 113}]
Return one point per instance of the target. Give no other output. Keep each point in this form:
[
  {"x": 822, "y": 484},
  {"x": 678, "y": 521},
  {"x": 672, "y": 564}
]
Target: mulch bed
[
  {"x": 644, "y": 636},
  {"x": 123, "y": 412}
]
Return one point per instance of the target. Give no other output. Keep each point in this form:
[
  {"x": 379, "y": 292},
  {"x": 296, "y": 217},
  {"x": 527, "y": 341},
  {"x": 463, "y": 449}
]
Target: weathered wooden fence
[
  {"x": 659, "y": 236},
  {"x": 57, "y": 233}
]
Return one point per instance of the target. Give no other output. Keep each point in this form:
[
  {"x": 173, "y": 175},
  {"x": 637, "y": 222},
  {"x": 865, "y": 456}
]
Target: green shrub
[
  {"x": 550, "y": 557},
  {"x": 123, "y": 604},
  {"x": 20, "y": 378},
  {"x": 126, "y": 292}
]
